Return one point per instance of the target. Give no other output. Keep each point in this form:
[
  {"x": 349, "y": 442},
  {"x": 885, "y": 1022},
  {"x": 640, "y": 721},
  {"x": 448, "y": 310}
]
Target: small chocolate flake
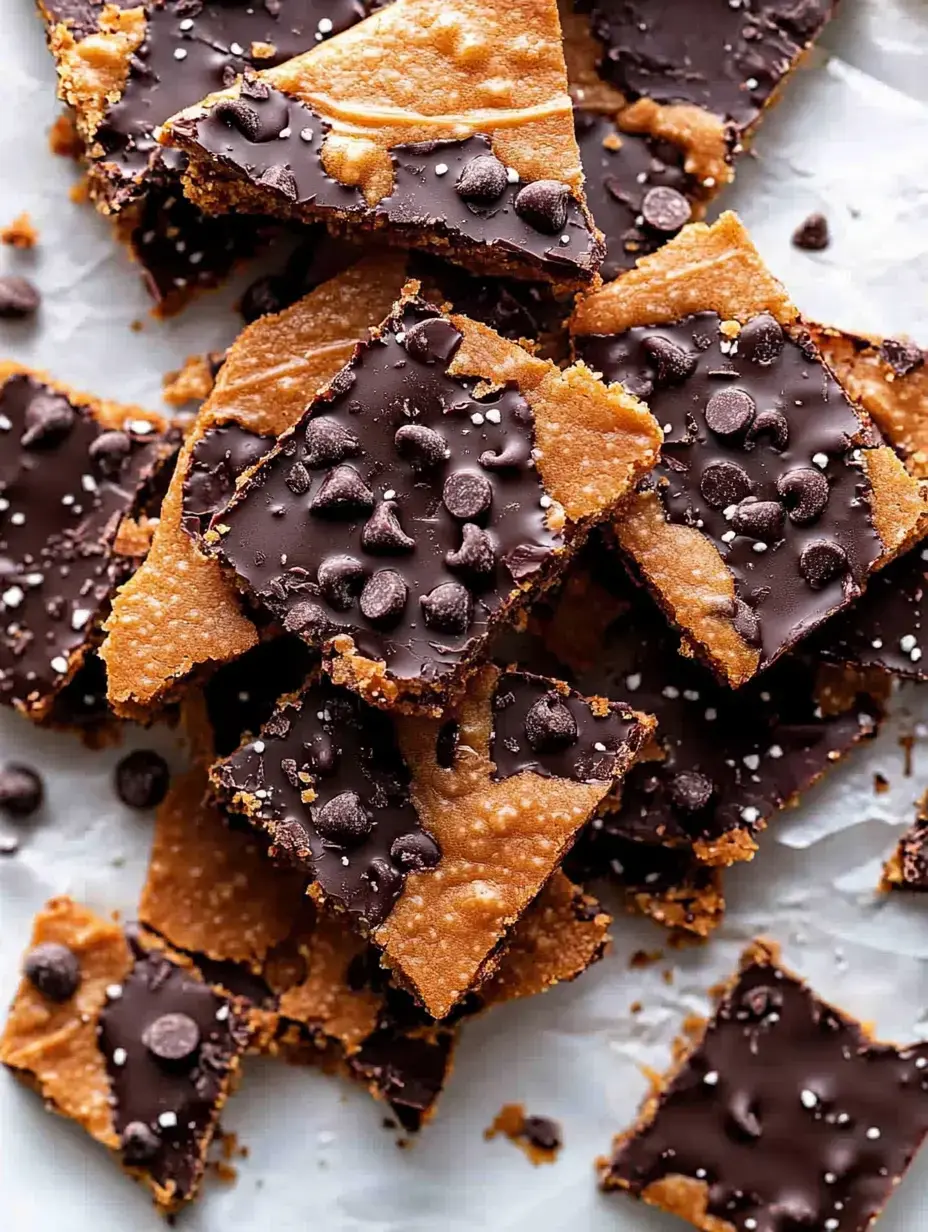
[
  {"x": 549, "y": 725},
  {"x": 298, "y": 479},
  {"x": 54, "y": 970},
  {"x": 482, "y": 180},
  {"x": 343, "y": 820},
  {"x": 448, "y": 608},
  {"x": 308, "y": 619},
  {"x": 18, "y": 298},
  {"x": 172, "y": 1038},
  {"x": 812, "y": 233},
  {"x": 280, "y": 179},
  {"x": 665, "y": 209},
  {"x": 543, "y": 205},
  {"x": 805, "y": 493},
  {"x": 902, "y": 357},
  {"x": 142, "y": 778},
  {"x": 21, "y": 790},
  {"x": 340, "y": 579},
  {"x": 384, "y": 597}
]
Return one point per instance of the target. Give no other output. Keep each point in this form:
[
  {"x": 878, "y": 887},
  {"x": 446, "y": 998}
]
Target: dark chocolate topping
[
  {"x": 408, "y": 1069},
  {"x": 159, "y": 1078},
  {"x": 719, "y": 457},
  {"x": 343, "y": 755},
  {"x": 282, "y": 543},
  {"x": 218, "y": 458},
  {"x": 787, "y": 1112},
  {"x": 537, "y": 728},
  {"x": 82, "y": 16},
  {"x": 903, "y": 357},
  {"x": 728, "y": 58},
  {"x": 60, "y": 509},
  {"x": 241, "y": 696}
]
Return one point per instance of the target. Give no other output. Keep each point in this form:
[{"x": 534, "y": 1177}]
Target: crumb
[
  {"x": 812, "y": 234},
  {"x": 225, "y": 1172},
  {"x": 404, "y": 1143},
  {"x": 538, "y": 1137},
  {"x": 667, "y": 975},
  {"x": 79, "y": 193},
  {"x": 63, "y": 137},
  {"x": 644, "y": 958},
  {"x": 389, "y": 1123},
  {"x": 907, "y": 744},
  {"x": 880, "y": 783},
  {"x": 21, "y": 233},
  {"x": 136, "y": 326},
  {"x": 635, "y": 1008},
  {"x": 694, "y": 1023},
  {"x": 191, "y": 383}
]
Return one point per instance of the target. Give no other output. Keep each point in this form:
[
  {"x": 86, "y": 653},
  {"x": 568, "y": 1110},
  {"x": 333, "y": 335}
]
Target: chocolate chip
[
  {"x": 476, "y": 556},
  {"x": 742, "y": 1116},
  {"x": 238, "y": 115},
  {"x": 448, "y": 608},
  {"x": 690, "y": 791},
  {"x": 308, "y": 619},
  {"x": 343, "y": 820},
  {"x": 672, "y": 365},
  {"x": 140, "y": 1144},
  {"x": 433, "y": 340},
  {"x": 902, "y": 357},
  {"x": 804, "y": 492},
  {"x": 467, "y": 495},
  {"x": 515, "y": 453},
  {"x": 329, "y": 442},
  {"x": 415, "y": 852},
  {"x": 760, "y": 519},
  {"x": 385, "y": 877},
  {"x": 772, "y": 424},
  {"x": 423, "y": 445},
  {"x": 724, "y": 483},
  {"x": 280, "y": 179},
  {"x": 762, "y": 339},
  {"x": 340, "y": 579},
  {"x": 812, "y": 233},
  {"x": 21, "y": 790},
  {"x": 821, "y": 561},
  {"x": 49, "y": 418},
  {"x": 172, "y": 1038},
  {"x": 759, "y": 1001},
  {"x": 729, "y": 412},
  {"x": 526, "y": 559},
  {"x": 298, "y": 479},
  {"x": 549, "y": 725},
  {"x": 542, "y": 1132},
  {"x": 343, "y": 494},
  {"x": 665, "y": 209},
  {"x": 109, "y": 451},
  {"x": 383, "y": 533},
  {"x": 483, "y": 179},
  {"x": 446, "y": 743},
  {"x": 263, "y": 296},
  {"x": 142, "y": 779},
  {"x": 746, "y": 623},
  {"x": 18, "y": 298},
  {"x": 54, "y": 970},
  {"x": 543, "y": 205},
  {"x": 383, "y": 597}
]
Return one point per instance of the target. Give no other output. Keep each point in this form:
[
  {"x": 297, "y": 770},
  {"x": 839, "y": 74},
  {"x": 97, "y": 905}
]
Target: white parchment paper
[{"x": 850, "y": 139}]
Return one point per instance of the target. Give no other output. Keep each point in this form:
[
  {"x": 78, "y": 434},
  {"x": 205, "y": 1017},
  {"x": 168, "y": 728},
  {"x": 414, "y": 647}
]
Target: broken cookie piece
[
  {"x": 125, "y": 1039},
  {"x": 771, "y": 504},
  {"x": 784, "y": 1113},
  {"x": 448, "y": 130}
]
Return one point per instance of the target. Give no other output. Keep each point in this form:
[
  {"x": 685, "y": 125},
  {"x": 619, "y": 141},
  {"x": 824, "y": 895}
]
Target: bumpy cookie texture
[
  {"x": 128, "y": 1042},
  {"x": 907, "y": 867},
  {"x": 466, "y": 149},
  {"x": 443, "y": 477},
  {"x": 179, "y": 612},
  {"x": 771, "y": 503},
  {"x": 72, "y": 473},
  {"x": 784, "y": 1114}
]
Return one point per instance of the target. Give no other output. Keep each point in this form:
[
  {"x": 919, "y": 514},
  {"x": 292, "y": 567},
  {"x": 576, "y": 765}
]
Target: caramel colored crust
[
  {"x": 178, "y": 611},
  {"x": 192, "y": 383},
  {"x": 581, "y": 53},
  {"x": 703, "y": 137},
  {"x": 54, "y": 1048},
  {"x": 683, "y": 910},
  {"x": 897, "y": 507}
]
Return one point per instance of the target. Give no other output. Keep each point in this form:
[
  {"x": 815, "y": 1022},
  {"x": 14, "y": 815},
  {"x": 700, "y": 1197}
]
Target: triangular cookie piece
[{"x": 443, "y": 129}]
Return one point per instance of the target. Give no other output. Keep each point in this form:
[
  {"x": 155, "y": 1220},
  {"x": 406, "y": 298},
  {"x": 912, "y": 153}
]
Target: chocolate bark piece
[
  {"x": 785, "y": 1112},
  {"x": 772, "y": 502},
  {"x": 419, "y": 503},
  {"x": 73, "y": 472},
  {"x": 133, "y": 1046},
  {"x": 478, "y": 164},
  {"x": 368, "y": 806},
  {"x": 907, "y": 867}
]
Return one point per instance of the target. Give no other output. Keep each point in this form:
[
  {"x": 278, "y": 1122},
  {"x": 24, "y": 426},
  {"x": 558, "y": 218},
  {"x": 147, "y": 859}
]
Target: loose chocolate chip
[
  {"x": 424, "y": 446},
  {"x": 543, "y": 205},
  {"x": 665, "y": 209},
  {"x": 18, "y": 298},
  {"x": 343, "y": 820},
  {"x": 54, "y": 970},
  {"x": 542, "y": 1132},
  {"x": 415, "y": 852},
  {"x": 772, "y": 424},
  {"x": 742, "y": 1116},
  {"x": 549, "y": 725},
  {"x": 760, "y": 519},
  {"x": 516, "y": 452},
  {"x": 172, "y": 1037},
  {"x": 280, "y": 179},
  {"x": 804, "y": 492},
  {"x": 140, "y": 1143},
  {"x": 476, "y": 556},
  {"x": 142, "y": 778},
  {"x": 109, "y": 451},
  {"x": 690, "y": 791},
  {"x": 483, "y": 179},
  {"x": 383, "y": 597},
  {"x": 729, "y": 412},
  {"x": 812, "y": 233},
  {"x": 343, "y": 494},
  {"x": 298, "y": 479},
  {"x": 448, "y": 608},
  {"x": 821, "y": 561},
  {"x": 340, "y": 579},
  {"x": 21, "y": 790},
  {"x": 902, "y": 357},
  {"x": 762, "y": 339},
  {"x": 746, "y": 623},
  {"x": 526, "y": 559},
  {"x": 434, "y": 340},
  {"x": 265, "y": 295},
  {"x": 672, "y": 365},
  {"x": 467, "y": 495},
  {"x": 238, "y": 115},
  {"x": 329, "y": 442},
  {"x": 446, "y": 743},
  {"x": 308, "y": 619},
  {"x": 724, "y": 483},
  {"x": 49, "y": 418},
  {"x": 383, "y": 534}
]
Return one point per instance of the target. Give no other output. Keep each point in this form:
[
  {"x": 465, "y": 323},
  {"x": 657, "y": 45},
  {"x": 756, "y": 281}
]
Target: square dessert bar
[
  {"x": 443, "y": 478},
  {"x": 772, "y": 503},
  {"x": 433, "y": 836},
  {"x": 436, "y": 127},
  {"x": 121, "y": 1036},
  {"x": 784, "y": 1114},
  {"x": 74, "y": 473}
]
